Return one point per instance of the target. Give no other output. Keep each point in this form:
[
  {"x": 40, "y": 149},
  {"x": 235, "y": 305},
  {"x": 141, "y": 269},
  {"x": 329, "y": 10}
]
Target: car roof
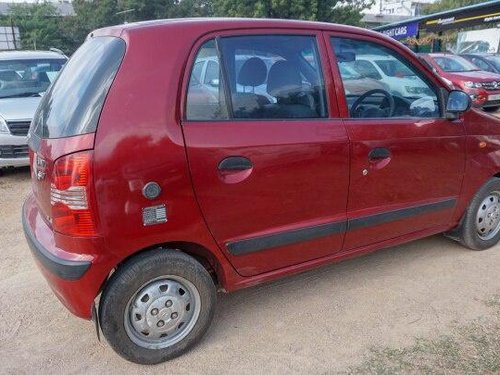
[
  {"x": 28, "y": 55},
  {"x": 217, "y": 23}
]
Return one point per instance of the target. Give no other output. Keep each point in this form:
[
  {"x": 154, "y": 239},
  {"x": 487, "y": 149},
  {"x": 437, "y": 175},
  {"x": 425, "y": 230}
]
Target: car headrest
[
  {"x": 253, "y": 72},
  {"x": 283, "y": 79}
]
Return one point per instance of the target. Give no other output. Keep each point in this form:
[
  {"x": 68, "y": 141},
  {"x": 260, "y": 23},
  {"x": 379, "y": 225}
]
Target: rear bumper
[
  {"x": 62, "y": 268},
  {"x": 75, "y": 278}
]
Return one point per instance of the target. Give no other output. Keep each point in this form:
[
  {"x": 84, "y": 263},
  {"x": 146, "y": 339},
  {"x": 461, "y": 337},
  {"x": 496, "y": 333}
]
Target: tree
[
  {"x": 347, "y": 12},
  {"x": 443, "y": 5},
  {"x": 38, "y": 25},
  {"x": 41, "y": 27}
]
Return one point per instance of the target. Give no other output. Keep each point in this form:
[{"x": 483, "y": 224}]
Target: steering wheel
[{"x": 358, "y": 101}]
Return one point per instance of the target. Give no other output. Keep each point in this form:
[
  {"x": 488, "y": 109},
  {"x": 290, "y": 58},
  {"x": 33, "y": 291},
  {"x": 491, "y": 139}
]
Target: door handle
[
  {"x": 379, "y": 153},
  {"x": 235, "y": 164}
]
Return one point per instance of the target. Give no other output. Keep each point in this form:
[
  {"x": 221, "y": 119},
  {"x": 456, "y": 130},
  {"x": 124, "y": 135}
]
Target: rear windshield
[{"x": 72, "y": 105}]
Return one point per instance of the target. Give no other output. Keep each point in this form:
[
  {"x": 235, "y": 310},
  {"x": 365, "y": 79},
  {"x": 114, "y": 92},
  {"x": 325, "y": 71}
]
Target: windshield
[
  {"x": 495, "y": 60},
  {"x": 394, "y": 68},
  {"x": 455, "y": 64},
  {"x": 348, "y": 72},
  {"x": 20, "y": 78}
]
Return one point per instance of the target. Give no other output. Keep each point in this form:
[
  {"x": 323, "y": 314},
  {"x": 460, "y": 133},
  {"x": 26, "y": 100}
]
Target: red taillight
[{"x": 71, "y": 195}]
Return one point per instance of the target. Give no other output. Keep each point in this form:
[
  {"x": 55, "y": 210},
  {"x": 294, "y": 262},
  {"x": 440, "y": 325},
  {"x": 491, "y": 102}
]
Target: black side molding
[
  {"x": 65, "y": 269},
  {"x": 402, "y": 213},
  {"x": 285, "y": 238},
  {"x": 251, "y": 245}
]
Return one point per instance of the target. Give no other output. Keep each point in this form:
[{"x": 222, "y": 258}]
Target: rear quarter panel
[{"x": 138, "y": 140}]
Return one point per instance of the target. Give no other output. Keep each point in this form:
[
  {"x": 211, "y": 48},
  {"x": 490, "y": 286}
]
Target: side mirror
[
  {"x": 214, "y": 82},
  {"x": 458, "y": 102}
]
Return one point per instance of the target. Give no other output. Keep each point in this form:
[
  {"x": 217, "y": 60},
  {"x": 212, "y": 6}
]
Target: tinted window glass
[
  {"x": 378, "y": 82},
  {"x": 212, "y": 73},
  {"x": 454, "y": 64},
  {"x": 197, "y": 70},
  {"x": 73, "y": 103},
  {"x": 481, "y": 64},
  {"x": 495, "y": 60},
  {"x": 205, "y": 97},
  {"x": 366, "y": 69},
  {"x": 274, "y": 76},
  {"x": 21, "y": 78}
]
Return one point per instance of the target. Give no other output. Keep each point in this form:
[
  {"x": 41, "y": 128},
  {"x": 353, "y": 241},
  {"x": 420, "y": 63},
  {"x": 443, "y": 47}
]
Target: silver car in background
[{"x": 24, "y": 78}]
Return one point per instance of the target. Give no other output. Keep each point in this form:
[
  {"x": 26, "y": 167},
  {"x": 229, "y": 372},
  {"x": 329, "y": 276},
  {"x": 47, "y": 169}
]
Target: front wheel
[
  {"x": 480, "y": 226},
  {"x": 156, "y": 306}
]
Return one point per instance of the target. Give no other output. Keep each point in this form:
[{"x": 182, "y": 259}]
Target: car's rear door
[
  {"x": 268, "y": 155},
  {"x": 407, "y": 164}
]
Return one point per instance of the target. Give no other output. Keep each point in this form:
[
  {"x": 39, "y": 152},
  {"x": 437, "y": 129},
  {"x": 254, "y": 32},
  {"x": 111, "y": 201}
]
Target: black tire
[
  {"x": 133, "y": 275},
  {"x": 467, "y": 233}
]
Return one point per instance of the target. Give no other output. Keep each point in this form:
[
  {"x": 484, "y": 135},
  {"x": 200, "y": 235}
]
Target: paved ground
[{"x": 322, "y": 321}]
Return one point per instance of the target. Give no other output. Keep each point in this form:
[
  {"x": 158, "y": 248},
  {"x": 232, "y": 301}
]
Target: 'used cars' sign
[{"x": 403, "y": 31}]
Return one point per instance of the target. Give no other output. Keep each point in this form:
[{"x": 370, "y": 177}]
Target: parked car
[
  {"x": 396, "y": 75},
  {"x": 482, "y": 86},
  {"x": 24, "y": 77},
  {"x": 486, "y": 62},
  {"x": 355, "y": 84},
  {"x": 147, "y": 198}
]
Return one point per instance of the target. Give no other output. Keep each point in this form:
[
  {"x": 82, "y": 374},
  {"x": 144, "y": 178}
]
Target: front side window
[
  {"x": 266, "y": 77},
  {"x": 379, "y": 83}
]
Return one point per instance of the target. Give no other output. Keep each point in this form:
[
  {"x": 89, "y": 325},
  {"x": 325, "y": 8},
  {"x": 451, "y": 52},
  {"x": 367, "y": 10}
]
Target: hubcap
[
  {"x": 488, "y": 216},
  {"x": 162, "y": 312}
]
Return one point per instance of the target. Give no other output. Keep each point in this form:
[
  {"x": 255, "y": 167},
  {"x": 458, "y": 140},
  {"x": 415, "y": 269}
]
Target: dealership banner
[{"x": 402, "y": 31}]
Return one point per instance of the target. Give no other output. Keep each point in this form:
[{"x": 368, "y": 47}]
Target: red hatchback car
[
  {"x": 157, "y": 183},
  {"x": 482, "y": 86}
]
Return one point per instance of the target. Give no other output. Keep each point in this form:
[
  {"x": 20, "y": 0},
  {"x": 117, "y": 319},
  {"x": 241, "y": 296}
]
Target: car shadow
[
  {"x": 341, "y": 279},
  {"x": 17, "y": 173}
]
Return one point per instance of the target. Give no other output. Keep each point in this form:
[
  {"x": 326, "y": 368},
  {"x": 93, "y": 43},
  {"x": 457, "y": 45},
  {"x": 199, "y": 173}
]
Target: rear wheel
[
  {"x": 480, "y": 227},
  {"x": 156, "y": 306}
]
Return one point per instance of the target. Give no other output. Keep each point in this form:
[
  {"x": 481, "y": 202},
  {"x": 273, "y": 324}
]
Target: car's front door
[
  {"x": 407, "y": 161},
  {"x": 269, "y": 165}
]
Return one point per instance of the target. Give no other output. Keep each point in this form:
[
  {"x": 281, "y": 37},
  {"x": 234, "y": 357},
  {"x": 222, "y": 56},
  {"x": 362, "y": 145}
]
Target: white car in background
[
  {"x": 397, "y": 76},
  {"x": 24, "y": 78}
]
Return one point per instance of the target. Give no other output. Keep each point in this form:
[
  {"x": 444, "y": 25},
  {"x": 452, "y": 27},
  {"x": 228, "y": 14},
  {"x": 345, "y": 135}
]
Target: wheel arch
[{"x": 203, "y": 255}]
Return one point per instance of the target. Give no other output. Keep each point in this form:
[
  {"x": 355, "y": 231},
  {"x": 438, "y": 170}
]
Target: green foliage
[
  {"x": 38, "y": 24},
  {"x": 347, "y": 12},
  {"x": 41, "y": 27},
  {"x": 443, "y": 5}
]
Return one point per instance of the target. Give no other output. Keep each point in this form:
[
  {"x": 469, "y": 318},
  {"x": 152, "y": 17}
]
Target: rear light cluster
[{"x": 71, "y": 195}]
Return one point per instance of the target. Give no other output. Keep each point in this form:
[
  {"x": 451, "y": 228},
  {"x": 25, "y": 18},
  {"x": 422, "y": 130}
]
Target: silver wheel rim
[
  {"x": 488, "y": 216},
  {"x": 162, "y": 312}
]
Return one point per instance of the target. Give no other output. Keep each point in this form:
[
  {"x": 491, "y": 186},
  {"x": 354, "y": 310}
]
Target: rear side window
[
  {"x": 206, "y": 95},
  {"x": 259, "y": 77},
  {"x": 73, "y": 104}
]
